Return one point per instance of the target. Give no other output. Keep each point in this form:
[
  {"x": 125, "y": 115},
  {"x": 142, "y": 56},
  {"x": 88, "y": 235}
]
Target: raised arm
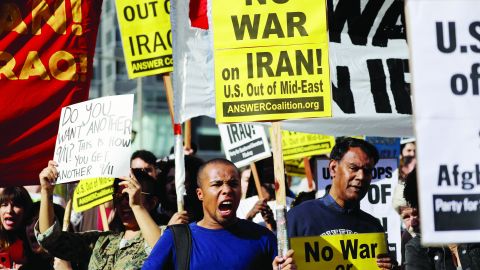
[
  {"x": 140, "y": 206},
  {"x": 47, "y": 177}
]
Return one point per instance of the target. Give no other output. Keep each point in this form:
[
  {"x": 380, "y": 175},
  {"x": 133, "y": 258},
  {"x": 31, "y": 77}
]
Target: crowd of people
[{"x": 225, "y": 224}]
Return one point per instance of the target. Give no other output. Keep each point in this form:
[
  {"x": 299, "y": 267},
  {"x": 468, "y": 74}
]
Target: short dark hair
[
  {"x": 215, "y": 161},
  {"x": 145, "y": 155},
  {"x": 343, "y": 144},
  {"x": 148, "y": 183},
  {"x": 19, "y": 196},
  {"x": 410, "y": 193}
]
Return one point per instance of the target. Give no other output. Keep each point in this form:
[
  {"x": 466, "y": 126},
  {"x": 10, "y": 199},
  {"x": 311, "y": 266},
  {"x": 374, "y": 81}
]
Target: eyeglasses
[
  {"x": 118, "y": 196},
  {"x": 146, "y": 169}
]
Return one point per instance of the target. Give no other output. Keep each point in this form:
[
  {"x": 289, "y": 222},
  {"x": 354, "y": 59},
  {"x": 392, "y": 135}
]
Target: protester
[
  {"x": 408, "y": 215},
  {"x": 408, "y": 148},
  {"x": 193, "y": 207},
  {"x": 260, "y": 210},
  {"x": 220, "y": 240},
  {"x": 351, "y": 163},
  {"x": 455, "y": 257},
  {"x": 41, "y": 259},
  {"x": 144, "y": 160},
  {"x": 15, "y": 209},
  {"x": 408, "y": 159},
  {"x": 244, "y": 178},
  {"x": 134, "y": 197}
]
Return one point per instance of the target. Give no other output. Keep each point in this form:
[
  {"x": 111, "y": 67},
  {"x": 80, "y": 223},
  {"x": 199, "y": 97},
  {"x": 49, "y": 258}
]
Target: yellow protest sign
[
  {"x": 146, "y": 36},
  {"x": 271, "y": 60},
  {"x": 339, "y": 252},
  {"x": 298, "y": 145},
  {"x": 92, "y": 192},
  {"x": 295, "y": 167}
]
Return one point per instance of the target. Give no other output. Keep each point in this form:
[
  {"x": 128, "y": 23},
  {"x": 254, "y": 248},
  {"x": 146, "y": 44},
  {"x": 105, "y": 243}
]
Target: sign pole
[
  {"x": 308, "y": 172},
  {"x": 179, "y": 157},
  {"x": 68, "y": 208},
  {"x": 188, "y": 135},
  {"x": 103, "y": 215},
  {"x": 253, "y": 167},
  {"x": 167, "y": 82},
  {"x": 280, "y": 190},
  {"x": 140, "y": 111},
  {"x": 66, "y": 217}
]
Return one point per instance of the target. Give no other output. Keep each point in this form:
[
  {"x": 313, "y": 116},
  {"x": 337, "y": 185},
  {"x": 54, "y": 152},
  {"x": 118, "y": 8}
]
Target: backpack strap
[{"x": 182, "y": 237}]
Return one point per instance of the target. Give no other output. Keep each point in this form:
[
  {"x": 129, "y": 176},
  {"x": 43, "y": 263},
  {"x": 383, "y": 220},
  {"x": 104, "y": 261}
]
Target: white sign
[
  {"x": 94, "y": 139},
  {"x": 244, "y": 143},
  {"x": 445, "y": 63},
  {"x": 378, "y": 201}
]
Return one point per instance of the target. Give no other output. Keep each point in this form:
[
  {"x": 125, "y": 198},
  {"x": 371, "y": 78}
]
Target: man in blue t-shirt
[
  {"x": 220, "y": 240},
  {"x": 338, "y": 212}
]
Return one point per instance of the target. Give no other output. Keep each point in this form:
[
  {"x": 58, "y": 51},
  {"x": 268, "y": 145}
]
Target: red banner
[{"x": 46, "y": 57}]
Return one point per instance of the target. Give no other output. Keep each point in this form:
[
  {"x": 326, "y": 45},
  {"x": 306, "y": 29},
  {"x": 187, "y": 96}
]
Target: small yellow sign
[
  {"x": 92, "y": 192},
  {"x": 146, "y": 36},
  {"x": 294, "y": 167},
  {"x": 339, "y": 252},
  {"x": 298, "y": 145}
]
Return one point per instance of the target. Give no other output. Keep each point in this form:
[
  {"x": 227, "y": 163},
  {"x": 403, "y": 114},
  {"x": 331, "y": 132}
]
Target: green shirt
[{"x": 101, "y": 250}]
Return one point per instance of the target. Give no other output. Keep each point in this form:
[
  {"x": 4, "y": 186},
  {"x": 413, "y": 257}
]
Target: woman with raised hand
[{"x": 134, "y": 198}]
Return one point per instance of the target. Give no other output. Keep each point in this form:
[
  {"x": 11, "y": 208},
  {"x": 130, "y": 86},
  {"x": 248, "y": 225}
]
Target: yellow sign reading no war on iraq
[
  {"x": 338, "y": 252},
  {"x": 146, "y": 36},
  {"x": 271, "y": 60}
]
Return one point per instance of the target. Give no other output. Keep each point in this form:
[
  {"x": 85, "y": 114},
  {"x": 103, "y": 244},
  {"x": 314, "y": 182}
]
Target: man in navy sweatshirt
[{"x": 338, "y": 212}]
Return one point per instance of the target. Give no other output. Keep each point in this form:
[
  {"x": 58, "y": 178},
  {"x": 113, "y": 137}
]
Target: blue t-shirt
[
  {"x": 244, "y": 245},
  {"x": 325, "y": 217}
]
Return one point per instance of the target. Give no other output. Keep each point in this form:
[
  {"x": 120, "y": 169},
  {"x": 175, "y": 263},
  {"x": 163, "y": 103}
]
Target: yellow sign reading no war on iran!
[
  {"x": 92, "y": 192},
  {"x": 271, "y": 60},
  {"x": 146, "y": 36},
  {"x": 339, "y": 252}
]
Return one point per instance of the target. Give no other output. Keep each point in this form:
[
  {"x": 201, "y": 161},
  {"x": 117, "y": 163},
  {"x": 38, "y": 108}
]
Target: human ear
[
  {"x": 200, "y": 194},
  {"x": 332, "y": 167}
]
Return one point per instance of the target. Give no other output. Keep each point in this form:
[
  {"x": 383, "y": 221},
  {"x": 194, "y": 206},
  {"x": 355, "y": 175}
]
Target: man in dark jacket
[{"x": 418, "y": 257}]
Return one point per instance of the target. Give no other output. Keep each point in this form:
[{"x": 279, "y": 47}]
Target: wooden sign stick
[
  {"x": 66, "y": 216},
  {"x": 103, "y": 215},
  {"x": 257, "y": 180},
  {"x": 280, "y": 190},
  {"x": 308, "y": 173},
  {"x": 188, "y": 135},
  {"x": 167, "y": 82}
]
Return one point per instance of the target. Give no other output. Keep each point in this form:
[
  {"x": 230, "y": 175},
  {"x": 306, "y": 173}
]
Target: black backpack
[{"x": 182, "y": 237}]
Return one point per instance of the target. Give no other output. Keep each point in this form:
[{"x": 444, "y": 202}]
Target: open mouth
[
  {"x": 226, "y": 208},
  {"x": 9, "y": 221},
  {"x": 126, "y": 212}
]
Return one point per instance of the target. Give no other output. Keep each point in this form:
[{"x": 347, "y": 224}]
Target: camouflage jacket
[{"x": 100, "y": 249}]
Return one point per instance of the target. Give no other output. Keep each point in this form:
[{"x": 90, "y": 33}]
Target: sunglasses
[{"x": 119, "y": 196}]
